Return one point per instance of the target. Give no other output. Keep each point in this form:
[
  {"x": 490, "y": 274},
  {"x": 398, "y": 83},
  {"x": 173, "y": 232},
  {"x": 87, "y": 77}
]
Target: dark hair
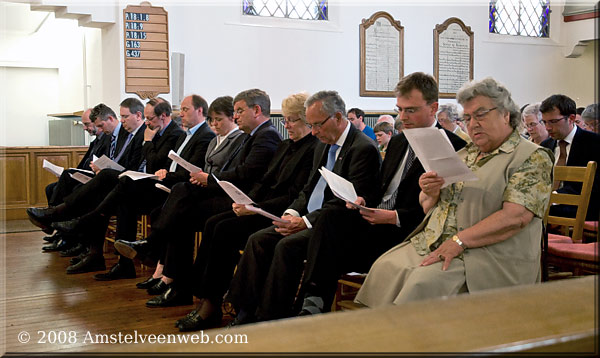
[
  {"x": 383, "y": 127},
  {"x": 255, "y": 97},
  {"x": 358, "y": 113},
  {"x": 134, "y": 105},
  {"x": 580, "y": 110},
  {"x": 222, "y": 105},
  {"x": 102, "y": 112},
  {"x": 420, "y": 81},
  {"x": 565, "y": 105},
  {"x": 199, "y": 102},
  {"x": 163, "y": 107}
]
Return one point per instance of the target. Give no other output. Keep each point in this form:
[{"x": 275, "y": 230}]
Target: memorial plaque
[
  {"x": 452, "y": 56},
  {"x": 146, "y": 40},
  {"x": 381, "y": 55}
]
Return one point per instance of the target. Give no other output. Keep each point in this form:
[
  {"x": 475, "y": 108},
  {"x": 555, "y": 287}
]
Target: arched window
[
  {"x": 290, "y": 9},
  {"x": 520, "y": 17}
]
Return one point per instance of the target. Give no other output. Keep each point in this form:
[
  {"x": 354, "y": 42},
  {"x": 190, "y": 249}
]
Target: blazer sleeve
[{"x": 156, "y": 151}]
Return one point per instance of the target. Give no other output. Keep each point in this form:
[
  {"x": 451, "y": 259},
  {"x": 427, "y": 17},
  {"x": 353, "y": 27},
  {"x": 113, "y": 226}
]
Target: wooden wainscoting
[{"x": 22, "y": 179}]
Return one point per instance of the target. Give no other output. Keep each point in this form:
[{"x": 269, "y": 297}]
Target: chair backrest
[{"x": 584, "y": 175}]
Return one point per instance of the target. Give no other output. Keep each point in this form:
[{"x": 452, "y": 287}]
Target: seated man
[
  {"x": 572, "y": 146},
  {"x": 226, "y": 233},
  {"x": 357, "y": 117},
  {"x": 479, "y": 234},
  {"x": 591, "y": 118},
  {"x": 532, "y": 118},
  {"x": 350, "y": 240},
  {"x": 190, "y": 204},
  {"x": 447, "y": 116},
  {"x": 268, "y": 272}
]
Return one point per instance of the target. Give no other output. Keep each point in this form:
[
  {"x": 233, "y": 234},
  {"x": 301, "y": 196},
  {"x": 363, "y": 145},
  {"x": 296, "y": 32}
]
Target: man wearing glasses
[{"x": 572, "y": 146}]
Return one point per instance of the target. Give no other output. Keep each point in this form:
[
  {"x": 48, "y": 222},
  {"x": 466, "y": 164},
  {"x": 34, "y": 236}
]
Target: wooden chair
[
  {"x": 569, "y": 252},
  {"x": 348, "y": 286}
]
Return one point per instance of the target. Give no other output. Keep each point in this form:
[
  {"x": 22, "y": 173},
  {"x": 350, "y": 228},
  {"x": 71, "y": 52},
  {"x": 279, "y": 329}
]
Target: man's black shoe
[
  {"x": 132, "y": 249},
  {"x": 117, "y": 272},
  {"x": 149, "y": 282},
  {"x": 171, "y": 297},
  {"x": 159, "y": 288},
  {"x": 74, "y": 251},
  {"x": 195, "y": 322},
  {"x": 57, "y": 236},
  {"x": 89, "y": 263},
  {"x": 59, "y": 245},
  {"x": 42, "y": 218},
  {"x": 67, "y": 227}
]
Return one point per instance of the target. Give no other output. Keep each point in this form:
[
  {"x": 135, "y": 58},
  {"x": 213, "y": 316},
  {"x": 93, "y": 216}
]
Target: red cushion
[
  {"x": 583, "y": 252},
  {"x": 559, "y": 238},
  {"x": 590, "y": 226}
]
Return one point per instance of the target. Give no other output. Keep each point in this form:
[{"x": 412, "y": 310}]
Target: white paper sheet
[
  {"x": 266, "y": 214},
  {"x": 84, "y": 171},
  {"x": 105, "y": 162},
  {"x": 184, "y": 163},
  {"x": 341, "y": 188},
  {"x": 52, "y": 168},
  {"x": 138, "y": 175},
  {"x": 162, "y": 187},
  {"x": 234, "y": 193},
  {"x": 435, "y": 152},
  {"x": 80, "y": 177}
]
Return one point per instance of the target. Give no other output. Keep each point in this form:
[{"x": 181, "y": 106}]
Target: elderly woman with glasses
[
  {"x": 477, "y": 234},
  {"x": 532, "y": 119}
]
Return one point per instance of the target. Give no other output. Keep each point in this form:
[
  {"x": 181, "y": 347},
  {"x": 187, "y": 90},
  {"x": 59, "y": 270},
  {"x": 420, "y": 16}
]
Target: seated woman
[{"x": 477, "y": 234}]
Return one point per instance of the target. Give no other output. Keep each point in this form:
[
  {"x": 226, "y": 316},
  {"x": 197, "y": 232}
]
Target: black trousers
[
  {"x": 224, "y": 235},
  {"x": 268, "y": 274},
  {"x": 62, "y": 188},
  {"x": 342, "y": 241}
]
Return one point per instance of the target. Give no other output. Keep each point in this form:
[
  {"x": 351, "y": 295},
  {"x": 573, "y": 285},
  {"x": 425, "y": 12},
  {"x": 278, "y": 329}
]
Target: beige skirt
[{"x": 397, "y": 277}]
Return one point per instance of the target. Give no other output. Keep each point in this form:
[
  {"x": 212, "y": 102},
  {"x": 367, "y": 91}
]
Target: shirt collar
[
  {"x": 162, "y": 131},
  {"x": 116, "y": 131},
  {"x": 258, "y": 126},
  {"x": 344, "y": 135},
  {"x": 571, "y": 135},
  {"x": 195, "y": 128},
  {"x": 135, "y": 130},
  {"x": 508, "y": 146}
]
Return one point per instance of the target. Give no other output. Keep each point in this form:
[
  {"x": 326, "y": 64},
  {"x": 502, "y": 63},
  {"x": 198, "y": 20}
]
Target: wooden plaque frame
[
  {"x": 146, "y": 73},
  {"x": 366, "y": 23},
  {"x": 436, "y": 50}
]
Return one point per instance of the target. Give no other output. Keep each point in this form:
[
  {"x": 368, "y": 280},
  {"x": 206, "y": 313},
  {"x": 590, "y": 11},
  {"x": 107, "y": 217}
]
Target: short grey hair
[
  {"x": 532, "y": 110},
  {"x": 591, "y": 112},
  {"x": 331, "y": 102},
  {"x": 255, "y": 97},
  {"x": 450, "y": 109},
  {"x": 500, "y": 95}
]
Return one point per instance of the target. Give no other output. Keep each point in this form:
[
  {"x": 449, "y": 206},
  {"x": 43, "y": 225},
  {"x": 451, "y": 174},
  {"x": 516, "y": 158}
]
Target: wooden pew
[{"x": 556, "y": 316}]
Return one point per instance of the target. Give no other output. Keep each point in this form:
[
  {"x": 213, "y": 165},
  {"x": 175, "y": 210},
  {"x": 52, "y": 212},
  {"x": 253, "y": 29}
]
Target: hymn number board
[{"x": 146, "y": 40}]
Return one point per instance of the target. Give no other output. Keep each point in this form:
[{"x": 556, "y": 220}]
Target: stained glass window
[
  {"x": 291, "y": 9},
  {"x": 520, "y": 17}
]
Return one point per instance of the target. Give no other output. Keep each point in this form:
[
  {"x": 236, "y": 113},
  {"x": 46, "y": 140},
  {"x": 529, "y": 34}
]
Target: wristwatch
[{"x": 456, "y": 239}]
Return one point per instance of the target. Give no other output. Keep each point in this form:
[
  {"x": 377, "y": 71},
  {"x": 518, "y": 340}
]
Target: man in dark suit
[
  {"x": 268, "y": 272},
  {"x": 572, "y": 146},
  {"x": 190, "y": 203},
  {"x": 347, "y": 240},
  {"x": 226, "y": 233}
]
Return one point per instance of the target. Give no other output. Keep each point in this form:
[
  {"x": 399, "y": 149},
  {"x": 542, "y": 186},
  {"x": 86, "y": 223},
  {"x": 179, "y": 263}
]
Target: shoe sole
[
  {"x": 101, "y": 278},
  {"x": 45, "y": 228},
  {"x": 125, "y": 250}
]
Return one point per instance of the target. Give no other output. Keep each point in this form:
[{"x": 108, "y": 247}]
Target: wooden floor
[{"x": 40, "y": 296}]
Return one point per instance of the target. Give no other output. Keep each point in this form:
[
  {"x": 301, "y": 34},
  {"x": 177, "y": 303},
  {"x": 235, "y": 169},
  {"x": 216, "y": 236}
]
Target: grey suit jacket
[{"x": 216, "y": 158}]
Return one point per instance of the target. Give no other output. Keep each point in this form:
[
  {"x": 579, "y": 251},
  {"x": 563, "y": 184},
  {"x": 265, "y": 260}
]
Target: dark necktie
[
  {"x": 562, "y": 159},
  {"x": 113, "y": 146},
  {"x": 316, "y": 198}
]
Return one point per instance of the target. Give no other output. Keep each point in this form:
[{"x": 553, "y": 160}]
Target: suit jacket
[
  {"x": 410, "y": 212},
  {"x": 585, "y": 148},
  {"x": 155, "y": 152},
  {"x": 215, "y": 159},
  {"x": 247, "y": 164},
  {"x": 132, "y": 155},
  {"x": 98, "y": 147},
  {"x": 358, "y": 162},
  {"x": 287, "y": 174},
  {"x": 194, "y": 152}
]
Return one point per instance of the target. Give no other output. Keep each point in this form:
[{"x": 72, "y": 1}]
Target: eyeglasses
[
  {"x": 533, "y": 124},
  {"x": 553, "y": 121},
  {"x": 479, "y": 116},
  {"x": 318, "y": 125},
  {"x": 408, "y": 111},
  {"x": 288, "y": 120},
  {"x": 151, "y": 118},
  {"x": 240, "y": 111}
]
